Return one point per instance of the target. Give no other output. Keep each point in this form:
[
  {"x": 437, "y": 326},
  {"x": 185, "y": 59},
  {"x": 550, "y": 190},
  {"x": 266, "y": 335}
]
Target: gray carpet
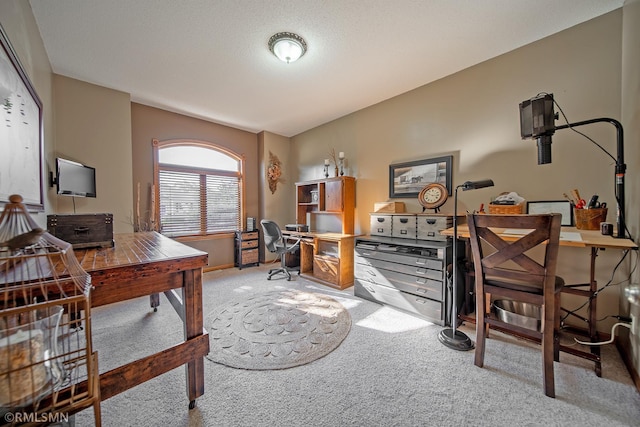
[
  {"x": 391, "y": 370},
  {"x": 276, "y": 330}
]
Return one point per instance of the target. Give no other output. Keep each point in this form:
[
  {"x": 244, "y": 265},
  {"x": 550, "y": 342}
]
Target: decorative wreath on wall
[{"x": 274, "y": 172}]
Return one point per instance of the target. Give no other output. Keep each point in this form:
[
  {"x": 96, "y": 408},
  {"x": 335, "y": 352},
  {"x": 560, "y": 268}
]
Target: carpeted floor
[{"x": 389, "y": 370}]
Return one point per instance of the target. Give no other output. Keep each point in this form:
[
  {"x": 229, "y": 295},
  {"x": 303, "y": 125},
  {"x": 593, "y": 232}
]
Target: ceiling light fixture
[{"x": 288, "y": 47}]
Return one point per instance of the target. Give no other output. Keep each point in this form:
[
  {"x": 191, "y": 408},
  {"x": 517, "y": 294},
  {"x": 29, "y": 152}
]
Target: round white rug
[{"x": 276, "y": 330}]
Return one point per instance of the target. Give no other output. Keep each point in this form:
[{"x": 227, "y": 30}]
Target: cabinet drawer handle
[
  {"x": 380, "y": 219},
  {"x": 421, "y": 290},
  {"x": 404, "y": 220},
  {"x": 421, "y": 261},
  {"x": 79, "y": 230},
  {"x": 431, "y": 221}
]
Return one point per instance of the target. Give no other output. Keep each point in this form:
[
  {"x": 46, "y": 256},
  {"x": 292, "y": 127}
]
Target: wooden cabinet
[
  {"x": 334, "y": 197},
  {"x": 328, "y": 258},
  {"x": 327, "y": 206},
  {"x": 247, "y": 251}
]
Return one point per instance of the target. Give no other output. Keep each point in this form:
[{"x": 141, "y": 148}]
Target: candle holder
[
  {"x": 341, "y": 159},
  {"x": 326, "y": 168}
]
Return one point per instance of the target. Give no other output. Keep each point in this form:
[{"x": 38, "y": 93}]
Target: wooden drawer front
[
  {"x": 380, "y": 225},
  {"x": 250, "y": 256},
  {"x": 393, "y": 297},
  {"x": 326, "y": 268},
  {"x": 429, "y": 227},
  {"x": 404, "y": 226},
  {"x": 365, "y": 256},
  {"x": 250, "y": 235},
  {"x": 249, "y": 244},
  {"x": 407, "y": 269},
  {"x": 415, "y": 285}
]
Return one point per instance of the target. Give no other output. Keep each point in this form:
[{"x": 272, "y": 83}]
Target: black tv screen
[{"x": 75, "y": 179}]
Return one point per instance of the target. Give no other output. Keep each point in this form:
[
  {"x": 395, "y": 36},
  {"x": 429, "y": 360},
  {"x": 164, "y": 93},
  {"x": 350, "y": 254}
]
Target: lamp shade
[{"x": 288, "y": 47}]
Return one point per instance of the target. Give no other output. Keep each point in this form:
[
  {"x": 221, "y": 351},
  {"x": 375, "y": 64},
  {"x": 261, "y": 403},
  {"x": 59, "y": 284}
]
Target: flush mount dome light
[{"x": 288, "y": 47}]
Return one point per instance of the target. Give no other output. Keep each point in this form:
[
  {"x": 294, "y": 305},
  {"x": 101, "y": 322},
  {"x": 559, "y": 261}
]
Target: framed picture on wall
[
  {"x": 563, "y": 207},
  {"x": 407, "y": 179},
  {"x": 21, "y": 142}
]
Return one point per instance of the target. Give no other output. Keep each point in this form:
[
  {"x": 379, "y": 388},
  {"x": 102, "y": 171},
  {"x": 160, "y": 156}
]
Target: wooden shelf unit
[{"x": 329, "y": 196}]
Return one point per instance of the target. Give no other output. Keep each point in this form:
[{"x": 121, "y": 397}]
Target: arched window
[{"x": 199, "y": 188}]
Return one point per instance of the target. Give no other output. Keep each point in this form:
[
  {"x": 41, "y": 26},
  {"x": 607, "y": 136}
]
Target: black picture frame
[
  {"x": 407, "y": 179},
  {"x": 21, "y": 137},
  {"x": 563, "y": 207}
]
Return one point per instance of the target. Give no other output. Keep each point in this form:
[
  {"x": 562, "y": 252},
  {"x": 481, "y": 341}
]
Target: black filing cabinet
[{"x": 247, "y": 249}]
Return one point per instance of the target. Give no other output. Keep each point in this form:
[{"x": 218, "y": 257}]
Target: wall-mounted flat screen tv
[{"x": 75, "y": 179}]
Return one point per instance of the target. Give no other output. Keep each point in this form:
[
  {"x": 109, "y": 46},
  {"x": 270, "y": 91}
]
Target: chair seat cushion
[{"x": 521, "y": 285}]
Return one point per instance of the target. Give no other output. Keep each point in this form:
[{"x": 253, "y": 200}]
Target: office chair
[
  {"x": 276, "y": 243},
  {"x": 504, "y": 268}
]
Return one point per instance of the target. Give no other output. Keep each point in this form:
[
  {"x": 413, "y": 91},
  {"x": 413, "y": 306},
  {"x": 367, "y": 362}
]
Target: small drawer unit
[
  {"x": 381, "y": 225},
  {"x": 247, "y": 249},
  {"x": 410, "y": 226},
  {"x": 429, "y": 227},
  {"x": 404, "y": 226},
  {"x": 404, "y": 274}
]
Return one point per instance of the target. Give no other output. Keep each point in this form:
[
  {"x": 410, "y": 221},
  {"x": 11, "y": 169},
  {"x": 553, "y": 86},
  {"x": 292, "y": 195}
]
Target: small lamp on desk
[{"x": 451, "y": 337}]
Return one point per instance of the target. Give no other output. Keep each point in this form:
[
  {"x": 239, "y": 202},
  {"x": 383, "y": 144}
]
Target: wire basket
[
  {"x": 506, "y": 209},
  {"x": 47, "y": 365}
]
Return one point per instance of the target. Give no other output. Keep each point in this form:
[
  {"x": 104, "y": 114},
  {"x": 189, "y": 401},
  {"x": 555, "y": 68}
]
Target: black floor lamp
[{"x": 451, "y": 337}]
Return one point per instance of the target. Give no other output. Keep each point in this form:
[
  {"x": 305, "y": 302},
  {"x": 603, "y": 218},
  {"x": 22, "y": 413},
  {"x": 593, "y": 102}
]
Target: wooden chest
[{"x": 83, "y": 230}]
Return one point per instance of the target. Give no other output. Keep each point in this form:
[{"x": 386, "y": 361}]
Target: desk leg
[
  {"x": 593, "y": 331},
  {"x": 154, "y": 301},
  {"x": 193, "y": 327}
]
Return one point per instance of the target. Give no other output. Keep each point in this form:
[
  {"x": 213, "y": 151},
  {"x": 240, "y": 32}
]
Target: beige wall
[
  {"x": 279, "y": 205},
  {"x": 473, "y": 115},
  {"x": 149, "y": 123},
  {"x": 93, "y": 127}
]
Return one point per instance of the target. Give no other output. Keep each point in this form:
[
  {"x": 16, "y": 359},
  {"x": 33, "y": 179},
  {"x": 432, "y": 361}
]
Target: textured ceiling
[{"x": 209, "y": 59}]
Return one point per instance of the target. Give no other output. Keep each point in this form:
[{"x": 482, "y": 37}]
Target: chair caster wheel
[
  {"x": 155, "y": 309},
  {"x": 192, "y": 404}
]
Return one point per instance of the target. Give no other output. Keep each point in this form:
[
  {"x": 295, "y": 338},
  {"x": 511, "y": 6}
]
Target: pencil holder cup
[{"x": 590, "y": 219}]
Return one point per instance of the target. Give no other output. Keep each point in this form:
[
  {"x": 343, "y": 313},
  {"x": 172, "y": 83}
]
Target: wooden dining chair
[{"x": 507, "y": 265}]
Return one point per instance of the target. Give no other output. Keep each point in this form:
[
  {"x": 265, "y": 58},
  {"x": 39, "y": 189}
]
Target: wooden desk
[
  {"x": 594, "y": 240},
  {"x": 145, "y": 264},
  {"x": 326, "y": 258}
]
